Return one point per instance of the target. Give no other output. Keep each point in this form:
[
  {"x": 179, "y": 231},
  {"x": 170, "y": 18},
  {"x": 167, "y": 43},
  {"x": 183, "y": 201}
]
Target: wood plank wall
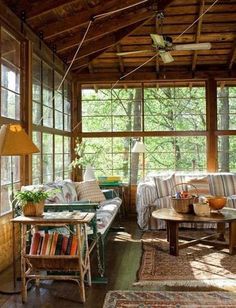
[{"x": 6, "y": 241}]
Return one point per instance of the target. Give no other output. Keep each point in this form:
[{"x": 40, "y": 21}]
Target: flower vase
[{"x": 33, "y": 209}]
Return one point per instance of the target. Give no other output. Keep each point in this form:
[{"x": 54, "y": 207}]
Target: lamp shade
[
  {"x": 139, "y": 147},
  {"x": 15, "y": 141}
]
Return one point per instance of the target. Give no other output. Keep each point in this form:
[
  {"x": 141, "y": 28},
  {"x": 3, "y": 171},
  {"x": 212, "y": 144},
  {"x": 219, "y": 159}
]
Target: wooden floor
[
  {"x": 122, "y": 262},
  {"x": 123, "y": 257}
]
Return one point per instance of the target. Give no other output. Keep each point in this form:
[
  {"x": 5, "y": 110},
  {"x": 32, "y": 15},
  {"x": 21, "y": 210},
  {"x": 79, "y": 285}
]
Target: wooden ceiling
[{"x": 62, "y": 24}]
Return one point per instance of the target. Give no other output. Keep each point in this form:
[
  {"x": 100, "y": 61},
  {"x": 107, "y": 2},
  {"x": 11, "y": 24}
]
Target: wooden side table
[{"x": 33, "y": 265}]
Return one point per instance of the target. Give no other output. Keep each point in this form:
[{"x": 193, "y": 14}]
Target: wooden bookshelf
[{"x": 35, "y": 266}]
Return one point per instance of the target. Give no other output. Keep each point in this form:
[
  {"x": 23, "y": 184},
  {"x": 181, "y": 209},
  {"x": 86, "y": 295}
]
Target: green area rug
[
  {"x": 170, "y": 299},
  {"x": 196, "y": 266}
]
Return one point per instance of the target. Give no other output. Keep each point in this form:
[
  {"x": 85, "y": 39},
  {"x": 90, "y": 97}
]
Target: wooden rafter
[
  {"x": 121, "y": 62},
  {"x": 104, "y": 43},
  {"x": 198, "y": 34},
  {"x": 33, "y": 9},
  {"x": 157, "y": 58},
  {"x": 51, "y": 30},
  {"x": 98, "y": 31},
  {"x": 232, "y": 56}
]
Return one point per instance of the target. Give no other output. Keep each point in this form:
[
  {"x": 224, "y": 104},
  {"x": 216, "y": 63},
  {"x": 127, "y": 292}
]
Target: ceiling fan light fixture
[
  {"x": 166, "y": 57},
  {"x": 158, "y": 40},
  {"x": 198, "y": 46}
]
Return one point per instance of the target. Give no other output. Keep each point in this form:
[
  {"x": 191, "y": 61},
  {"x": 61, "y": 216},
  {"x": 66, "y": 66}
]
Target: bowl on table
[
  {"x": 217, "y": 202},
  {"x": 202, "y": 209}
]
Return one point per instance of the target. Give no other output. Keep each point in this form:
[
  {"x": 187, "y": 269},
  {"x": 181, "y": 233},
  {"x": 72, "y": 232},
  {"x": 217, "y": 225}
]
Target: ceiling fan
[{"x": 164, "y": 45}]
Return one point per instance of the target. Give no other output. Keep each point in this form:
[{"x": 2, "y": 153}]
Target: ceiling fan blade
[
  {"x": 158, "y": 40},
  {"x": 126, "y": 53},
  {"x": 198, "y": 46},
  {"x": 166, "y": 57}
]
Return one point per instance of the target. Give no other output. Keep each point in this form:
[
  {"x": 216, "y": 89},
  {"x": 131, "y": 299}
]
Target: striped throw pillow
[
  {"x": 90, "y": 191},
  {"x": 164, "y": 186}
]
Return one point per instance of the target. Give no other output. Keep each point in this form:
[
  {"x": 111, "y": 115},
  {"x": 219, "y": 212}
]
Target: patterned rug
[
  {"x": 196, "y": 266},
  {"x": 164, "y": 299}
]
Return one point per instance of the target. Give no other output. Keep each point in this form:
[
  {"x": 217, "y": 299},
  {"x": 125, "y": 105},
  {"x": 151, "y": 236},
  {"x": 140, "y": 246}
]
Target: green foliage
[
  {"x": 34, "y": 196},
  {"x": 86, "y": 154}
]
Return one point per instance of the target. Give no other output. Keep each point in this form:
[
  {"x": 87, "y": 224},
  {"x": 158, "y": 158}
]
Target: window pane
[
  {"x": 10, "y": 104},
  {"x": 47, "y": 157},
  {"x": 10, "y": 48},
  {"x": 226, "y": 108},
  {"x": 174, "y": 109},
  {"x": 227, "y": 153}
]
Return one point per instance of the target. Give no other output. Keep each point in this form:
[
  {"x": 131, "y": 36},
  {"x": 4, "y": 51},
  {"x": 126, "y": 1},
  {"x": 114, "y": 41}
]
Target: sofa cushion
[
  {"x": 222, "y": 184},
  {"x": 201, "y": 184},
  {"x": 89, "y": 190},
  {"x": 164, "y": 186},
  {"x": 68, "y": 190}
]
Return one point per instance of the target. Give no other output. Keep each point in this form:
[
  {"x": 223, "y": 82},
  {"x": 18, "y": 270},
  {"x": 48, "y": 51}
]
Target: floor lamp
[
  {"x": 13, "y": 142},
  {"x": 139, "y": 147}
]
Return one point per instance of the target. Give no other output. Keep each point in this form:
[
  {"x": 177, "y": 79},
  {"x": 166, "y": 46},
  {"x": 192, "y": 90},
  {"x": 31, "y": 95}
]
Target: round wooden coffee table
[{"x": 173, "y": 219}]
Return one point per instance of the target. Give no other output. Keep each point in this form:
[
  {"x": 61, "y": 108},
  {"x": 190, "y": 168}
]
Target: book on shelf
[
  {"x": 68, "y": 248},
  {"x": 74, "y": 245},
  {"x": 49, "y": 244},
  {"x": 59, "y": 244},
  {"x": 54, "y": 244},
  {"x": 64, "y": 245},
  {"x": 35, "y": 243},
  {"x": 40, "y": 244},
  {"x": 44, "y": 244}
]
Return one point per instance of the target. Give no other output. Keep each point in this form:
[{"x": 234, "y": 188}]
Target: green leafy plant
[{"x": 34, "y": 196}]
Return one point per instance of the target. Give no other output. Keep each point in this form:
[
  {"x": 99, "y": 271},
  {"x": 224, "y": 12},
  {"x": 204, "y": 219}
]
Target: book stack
[
  {"x": 109, "y": 180},
  {"x": 53, "y": 244}
]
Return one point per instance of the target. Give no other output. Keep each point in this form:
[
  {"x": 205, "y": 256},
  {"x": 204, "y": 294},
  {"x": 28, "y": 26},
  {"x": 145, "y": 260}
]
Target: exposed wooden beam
[
  {"x": 105, "y": 42},
  {"x": 96, "y": 31},
  {"x": 91, "y": 71},
  {"x": 198, "y": 34},
  {"x": 121, "y": 62},
  {"x": 162, "y": 4},
  {"x": 157, "y": 67},
  {"x": 53, "y": 29},
  {"x": 176, "y": 74},
  {"x": 232, "y": 56},
  {"x": 33, "y": 9}
]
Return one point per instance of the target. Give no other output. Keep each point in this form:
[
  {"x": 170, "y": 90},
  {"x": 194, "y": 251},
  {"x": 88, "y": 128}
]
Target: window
[
  {"x": 112, "y": 110},
  {"x": 51, "y": 109},
  {"x": 226, "y": 125},
  {"x": 174, "y": 109},
  {"x": 10, "y": 109},
  {"x": 150, "y": 111}
]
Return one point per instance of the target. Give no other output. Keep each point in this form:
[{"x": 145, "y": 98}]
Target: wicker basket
[
  {"x": 183, "y": 205},
  {"x": 33, "y": 209}
]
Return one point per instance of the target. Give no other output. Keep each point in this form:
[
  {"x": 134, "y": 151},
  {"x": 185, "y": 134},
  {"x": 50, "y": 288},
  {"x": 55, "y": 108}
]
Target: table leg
[
  {"x": 221, "y": 231},
  {"x": 174, "y": 237},
  {"x": 232, "y": 236},
  {"x": 168, "y": 231}
]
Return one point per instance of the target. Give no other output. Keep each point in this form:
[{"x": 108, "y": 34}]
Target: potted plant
[{"x": 32, "y": 201}]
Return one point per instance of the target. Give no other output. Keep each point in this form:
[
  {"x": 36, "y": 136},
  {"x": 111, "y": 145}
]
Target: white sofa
[{"x": 155, "y": 191}]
